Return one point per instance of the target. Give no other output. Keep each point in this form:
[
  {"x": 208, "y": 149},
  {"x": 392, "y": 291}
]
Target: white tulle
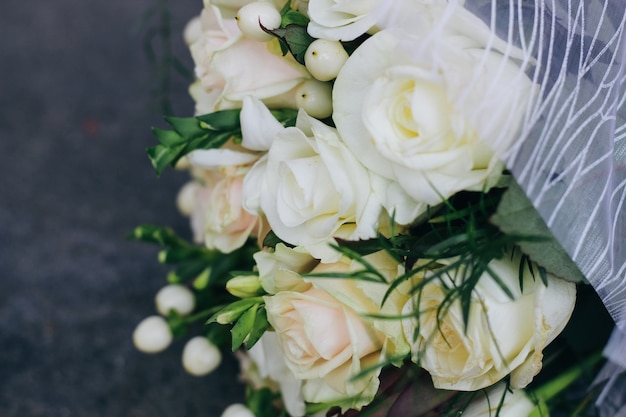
[{"x": 570, "y": 152}]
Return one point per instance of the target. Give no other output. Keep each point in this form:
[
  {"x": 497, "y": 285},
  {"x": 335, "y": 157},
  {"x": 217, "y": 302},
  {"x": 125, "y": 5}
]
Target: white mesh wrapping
[{"x": 569, "y": 151}]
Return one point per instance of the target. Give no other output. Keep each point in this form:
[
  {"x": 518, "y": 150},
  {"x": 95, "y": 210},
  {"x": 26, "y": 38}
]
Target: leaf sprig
[{"x": 209, "y": 131}]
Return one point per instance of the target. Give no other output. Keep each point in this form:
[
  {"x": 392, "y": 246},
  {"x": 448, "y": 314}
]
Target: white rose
[
  {"x": 428, "y": 118},
  {"x": 270, "y": 363},
  {"x": 503, "y": 336},
  {"x": 309, "y": 186},
  {"x": 341, "y": 20},
  {"x": 487, "y": 404},
  {"x": 231, "y": 66}
]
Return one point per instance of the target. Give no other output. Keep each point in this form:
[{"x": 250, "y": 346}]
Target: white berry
[
  {"x": 200, "y": 356},
  {"x": 186, "y": 198},
  {"x": 251, "y": 16},
  {"x": 237, "y": 410},
  {"x": 315, "y": 97},
  {"x": 175, "y": 297},
  {"x": 324, "y": 59},
  {"x": 152, "y": 335}
]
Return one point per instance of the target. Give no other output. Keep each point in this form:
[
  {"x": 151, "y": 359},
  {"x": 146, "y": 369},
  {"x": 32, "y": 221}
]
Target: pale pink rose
[
  {"x": 325, "y": 343},
  {"x": 327, "y": 339},
  {"x": 231, "y": 66},
  {"x": 219, "y": 219}
]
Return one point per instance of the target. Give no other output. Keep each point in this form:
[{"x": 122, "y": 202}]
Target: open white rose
[
  {"x": 231, "y": 66},
  {"x": 503, "y": 336},
  {"x": 309, "y": 186},
  {"x": 341, "y": 20},
  {"x": 428, "y": 118}
]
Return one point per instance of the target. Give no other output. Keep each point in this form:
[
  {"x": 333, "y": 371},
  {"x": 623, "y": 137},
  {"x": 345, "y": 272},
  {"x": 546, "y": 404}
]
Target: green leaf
[
  {"x": 259, "y": 327},
  {"x": 244, "y": 326},
  {"x": 222, "y": 120},
  {"x": 202, "y": 280},
  {"x": 167, "y": 137},
  {"x": 293, "y": 17},
  {"x": 187, "y": 271},
  {"x": 295, "y": 39},
  {"x": 186, "y": 127},
  {"x": 233, "y": 311},
  {"x": 517, "y": 216},
  {"x": 262, "y": 403},
  {"x": 162, "y": 156},
  {"x": 271, "y": 240},
  {"x": 177, "y": 254},
  {"x": 155, "y": 234},
  {"x": 286, "y": 117}
]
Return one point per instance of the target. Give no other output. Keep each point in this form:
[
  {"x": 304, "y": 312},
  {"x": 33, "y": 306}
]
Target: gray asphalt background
[{"x": 75, "y": 113}]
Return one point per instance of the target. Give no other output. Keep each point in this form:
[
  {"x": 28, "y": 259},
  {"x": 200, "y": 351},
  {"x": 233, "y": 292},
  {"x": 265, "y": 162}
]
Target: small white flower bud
[
  {"x": 251, "y": 16},
  {"x": 315, "y": 97},
  {"x": 175, "y": 297},
  {"x": 237, "y": 410},
  {"x": 200, "y": 356},
  {"x": 324, "y": 59},
  {"x": 193, "y": 30},
  {"x": 152, "y": 335},
  {"x": 186, "y": 198}
]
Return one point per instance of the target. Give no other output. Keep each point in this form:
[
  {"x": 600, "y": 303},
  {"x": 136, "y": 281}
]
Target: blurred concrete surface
[{"x": 75, "y": 113}]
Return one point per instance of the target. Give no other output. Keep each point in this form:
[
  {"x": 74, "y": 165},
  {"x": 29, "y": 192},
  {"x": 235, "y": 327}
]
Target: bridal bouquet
[{"x": 383, "y": 199}]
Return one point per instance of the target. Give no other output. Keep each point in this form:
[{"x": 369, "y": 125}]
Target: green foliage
[
  {"x": 206, "y": 270},
  {"x": 209, "y": 131},
  {"x": 516, "y": 215},
  {"x": 453, "y": 246},
  {"x": 204, "y": 132},
  {"x": 292, "y": 34},
  {"x": 293, "y": 38},
  {"x": 264, "y": 403},
  {"x": 249, "y": 319}
]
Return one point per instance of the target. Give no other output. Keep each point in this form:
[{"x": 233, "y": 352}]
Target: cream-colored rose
[
  {"x": 489, "y": 403},
  {"x": 327, "y": 339},
  {"x": 341, "y": 20},
  {"x": 309, "y": 186},
  {"x": 231, "y": 66},
  {"x": 428, "y": 118},
  {"x": 325, "y": 343},
  {"x": 503, "y": 336}
]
